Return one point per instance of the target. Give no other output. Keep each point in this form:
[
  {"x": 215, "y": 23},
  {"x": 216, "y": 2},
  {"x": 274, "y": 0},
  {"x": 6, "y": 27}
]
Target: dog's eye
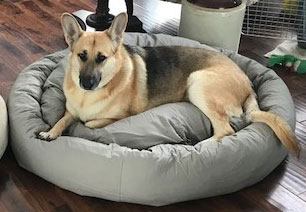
[
  {"x": 83, "y": 56},
  {"x": 100, "y": 58}
]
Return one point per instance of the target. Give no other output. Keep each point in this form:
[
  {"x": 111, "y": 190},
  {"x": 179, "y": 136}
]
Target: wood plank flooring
[{"x": 30, "y": 29}]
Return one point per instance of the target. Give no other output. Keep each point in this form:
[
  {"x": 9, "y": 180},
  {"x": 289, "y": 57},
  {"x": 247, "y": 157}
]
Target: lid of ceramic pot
[{"x": 216, "y": 4}]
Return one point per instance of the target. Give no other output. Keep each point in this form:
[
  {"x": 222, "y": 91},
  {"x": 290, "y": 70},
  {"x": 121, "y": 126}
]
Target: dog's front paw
[{"x": 47, "y": 136}]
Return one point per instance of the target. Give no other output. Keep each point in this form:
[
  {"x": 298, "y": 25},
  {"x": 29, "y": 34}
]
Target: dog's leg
[
  {"x": 57, "y": 129},
  {"x": 203, "y": 92},
  {"x": 219, "y": 119},
  {"x": 98, "y": 123}
]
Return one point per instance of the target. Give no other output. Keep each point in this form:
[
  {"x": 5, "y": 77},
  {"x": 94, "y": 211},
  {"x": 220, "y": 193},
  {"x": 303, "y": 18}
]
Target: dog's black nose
[{"x": 89, "y": 82}]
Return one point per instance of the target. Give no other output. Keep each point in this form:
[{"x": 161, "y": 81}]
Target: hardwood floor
[{"x": 30, "y": 29}]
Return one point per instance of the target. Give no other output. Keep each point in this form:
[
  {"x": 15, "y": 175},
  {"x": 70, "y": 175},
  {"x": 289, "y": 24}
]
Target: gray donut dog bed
[{"x": 158, "y": 157}]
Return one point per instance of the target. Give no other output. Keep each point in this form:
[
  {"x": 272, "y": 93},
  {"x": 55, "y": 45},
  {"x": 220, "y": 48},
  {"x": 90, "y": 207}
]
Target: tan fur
[
  {"x": 219, "y": 92},
  {"x": 275, "y": 122},
  {"x": 211, "y": 81}
]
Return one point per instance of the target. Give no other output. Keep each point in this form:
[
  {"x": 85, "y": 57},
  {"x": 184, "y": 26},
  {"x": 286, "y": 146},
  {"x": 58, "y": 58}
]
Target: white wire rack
[{"x": 282, "y": 19}]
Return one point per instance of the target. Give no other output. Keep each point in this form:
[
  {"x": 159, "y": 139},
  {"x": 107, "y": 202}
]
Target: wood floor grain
[{"x": 30, "y": 29}]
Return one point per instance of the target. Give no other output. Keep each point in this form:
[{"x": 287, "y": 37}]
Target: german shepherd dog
[{"x": 106, "y": 81}]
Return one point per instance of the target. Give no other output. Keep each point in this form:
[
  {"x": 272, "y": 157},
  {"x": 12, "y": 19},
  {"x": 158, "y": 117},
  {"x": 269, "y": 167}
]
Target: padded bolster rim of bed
[
  {"x": 162, "y": 175},
  {"x": 3, "y": 126}
]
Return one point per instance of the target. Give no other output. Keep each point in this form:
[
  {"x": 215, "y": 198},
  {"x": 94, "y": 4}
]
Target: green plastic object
[{"x": 289, "y": 61}]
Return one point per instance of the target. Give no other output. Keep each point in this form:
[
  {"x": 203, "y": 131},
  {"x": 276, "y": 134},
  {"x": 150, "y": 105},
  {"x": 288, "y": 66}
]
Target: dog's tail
[{"x": 280, "y": 127}]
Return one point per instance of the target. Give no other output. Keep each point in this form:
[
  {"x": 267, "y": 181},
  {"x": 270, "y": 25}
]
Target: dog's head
[{"x": 93, "y": 55}]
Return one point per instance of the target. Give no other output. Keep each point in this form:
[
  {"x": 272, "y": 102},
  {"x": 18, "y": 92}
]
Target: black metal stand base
[
  {"x": 102, "y": 22},
  {"x": 134, "y": 25},
  {"x": 102, "y": 19},
  {"x": 99, "y": 21}
]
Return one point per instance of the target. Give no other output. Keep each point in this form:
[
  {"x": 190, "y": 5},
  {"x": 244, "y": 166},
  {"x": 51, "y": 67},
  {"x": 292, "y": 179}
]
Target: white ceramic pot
[{"x": 215, "y": 27}]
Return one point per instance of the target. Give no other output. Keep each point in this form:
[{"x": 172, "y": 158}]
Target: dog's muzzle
[{"x": 90, "y": 82}]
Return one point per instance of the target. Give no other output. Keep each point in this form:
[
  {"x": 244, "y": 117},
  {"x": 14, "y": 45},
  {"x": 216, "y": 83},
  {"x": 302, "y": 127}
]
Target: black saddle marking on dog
[
  {"x": 161, "y": 64},
  {"x": 168, "y": 67}
]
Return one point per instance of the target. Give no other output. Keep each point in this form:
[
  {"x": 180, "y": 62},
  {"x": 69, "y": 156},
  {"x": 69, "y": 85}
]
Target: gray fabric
[{"x": 164, "y": 157}]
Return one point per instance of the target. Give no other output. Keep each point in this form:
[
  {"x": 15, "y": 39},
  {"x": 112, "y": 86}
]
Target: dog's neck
[{"x": 123, "y": 77}]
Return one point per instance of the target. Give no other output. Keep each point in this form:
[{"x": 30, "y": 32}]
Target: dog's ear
[
  {"x": 71, "y": 28},
  {"x": 118, "y": 26}
]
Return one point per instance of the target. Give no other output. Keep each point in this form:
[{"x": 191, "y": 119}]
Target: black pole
[
  {"x": 102, "y": 7},
  {"x": 129, "y": 7}
]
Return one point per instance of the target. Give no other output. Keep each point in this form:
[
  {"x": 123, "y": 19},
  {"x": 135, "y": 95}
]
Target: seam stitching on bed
[{"x": 121, "y": 176}]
